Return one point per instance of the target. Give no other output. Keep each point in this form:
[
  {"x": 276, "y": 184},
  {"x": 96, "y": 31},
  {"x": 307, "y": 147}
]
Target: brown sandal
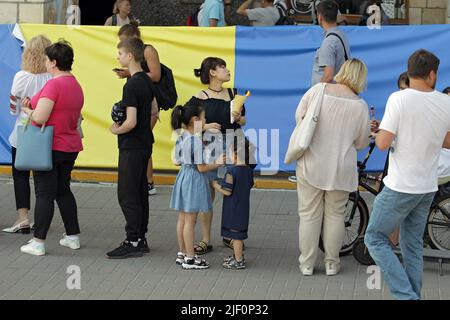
[{"x": 202, "y": 247}]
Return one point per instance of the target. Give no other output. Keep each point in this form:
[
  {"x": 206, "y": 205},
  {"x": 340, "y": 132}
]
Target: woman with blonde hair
[
  {"x": 121, "y": 14},
  {"x": 27, "y": 83},
  {"x": 326, "y": 173}
]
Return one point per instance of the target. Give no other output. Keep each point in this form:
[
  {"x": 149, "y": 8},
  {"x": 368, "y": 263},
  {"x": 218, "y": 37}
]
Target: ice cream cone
[{"x": 238, "y": 104}]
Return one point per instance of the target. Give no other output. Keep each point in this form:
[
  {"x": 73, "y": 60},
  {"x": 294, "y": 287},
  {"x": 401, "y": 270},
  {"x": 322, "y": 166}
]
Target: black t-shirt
[{"x": 138, "y": 93}]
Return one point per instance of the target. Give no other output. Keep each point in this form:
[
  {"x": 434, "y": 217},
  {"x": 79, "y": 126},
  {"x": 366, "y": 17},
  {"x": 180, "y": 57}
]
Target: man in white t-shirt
[
  {"x": 418, "y": 119},
  {"x": 266, "y": 15}
]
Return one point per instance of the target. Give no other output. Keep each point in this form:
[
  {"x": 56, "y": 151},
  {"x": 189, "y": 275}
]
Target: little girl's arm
[
  {"x": 226, "y": 186},
  {"x": 208, "y": 167}
]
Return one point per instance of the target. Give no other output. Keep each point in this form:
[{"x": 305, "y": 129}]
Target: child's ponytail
[
  {"x": 177, "y": 117},
  {"x": 182, "y": 115}
]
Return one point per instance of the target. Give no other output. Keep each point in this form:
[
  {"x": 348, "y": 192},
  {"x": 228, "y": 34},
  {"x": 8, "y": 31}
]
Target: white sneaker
[
  {"x": 151, "y": 189},
  {"x": 34, "y": 248},
  {"x": 307, "y": 271},
  {"x": 332, "y": 268},
  {"x": 72, "y": 243},
  {"x": 292, "y": 179}
]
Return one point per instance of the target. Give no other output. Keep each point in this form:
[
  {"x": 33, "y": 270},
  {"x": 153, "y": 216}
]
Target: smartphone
[{"x": 372, "y": 113}]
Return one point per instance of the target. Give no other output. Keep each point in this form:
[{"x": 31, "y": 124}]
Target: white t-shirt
[
  {"x": 263, "y": 16},
  {"x": 25, "y": 84},
  {"x": 420, "y": 121},
  {"x": 444, "y": 164}
]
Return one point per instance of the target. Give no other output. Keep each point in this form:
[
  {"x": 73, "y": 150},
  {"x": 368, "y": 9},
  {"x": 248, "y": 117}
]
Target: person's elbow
[
  {"x": 226, "y": 193},
  {"x": 242, "y": 12},
  {"x": 327, "y": 78},
  {"x": 39, "y": 119},
  {"x": 129, "y": 124},
  {"x": 328, "y": 74},
  {"x": 155, "y": 77},
  {"x": 382, "y": 143}
]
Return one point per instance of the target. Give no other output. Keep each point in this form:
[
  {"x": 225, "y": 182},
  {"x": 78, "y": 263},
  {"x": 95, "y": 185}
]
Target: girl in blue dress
[{"x": 191, "y": 193}]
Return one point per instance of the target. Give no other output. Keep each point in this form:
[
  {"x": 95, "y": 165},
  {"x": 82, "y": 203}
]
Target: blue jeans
[{"x": 391, "y": 210}]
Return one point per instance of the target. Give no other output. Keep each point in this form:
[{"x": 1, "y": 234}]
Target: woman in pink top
[{"x": 58, "y": 104}]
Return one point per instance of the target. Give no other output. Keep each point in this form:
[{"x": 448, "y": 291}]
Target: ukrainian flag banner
[{"x": 274, "y": 63}]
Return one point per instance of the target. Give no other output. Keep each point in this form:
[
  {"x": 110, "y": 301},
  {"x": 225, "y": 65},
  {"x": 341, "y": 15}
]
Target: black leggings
[
  {"x": 21, "y": 184},
  {"x": 55, "y": 185}
]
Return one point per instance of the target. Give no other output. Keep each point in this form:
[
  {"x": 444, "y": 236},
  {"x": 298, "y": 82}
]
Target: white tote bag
[{"x": 304, "y": 130}]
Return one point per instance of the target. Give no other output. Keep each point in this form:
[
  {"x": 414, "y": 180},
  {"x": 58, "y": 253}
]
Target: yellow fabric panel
[{"x": 180, "y": 48}]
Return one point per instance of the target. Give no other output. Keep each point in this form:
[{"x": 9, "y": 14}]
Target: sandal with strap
[
  {"x": 229, "y": 243},
  {"x": 202, "y": 247}
]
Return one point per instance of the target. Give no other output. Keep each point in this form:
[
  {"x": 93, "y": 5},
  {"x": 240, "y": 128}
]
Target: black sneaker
[
  {"x": 125, "y": 250},
  {"x": 143, "y": 245}
]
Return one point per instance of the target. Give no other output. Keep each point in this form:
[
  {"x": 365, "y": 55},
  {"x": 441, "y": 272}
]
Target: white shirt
[
  {"x": 444, "y": 164},
  {"x": 330, "y": 162},
  {"x": 25, "y": 84},
  {"x": 420, "y": 121},
  {"x": 263, "y": 16}
]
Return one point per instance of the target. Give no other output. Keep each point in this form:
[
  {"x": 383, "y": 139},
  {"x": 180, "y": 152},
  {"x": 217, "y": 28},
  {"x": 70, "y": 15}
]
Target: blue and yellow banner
[{"x": 274, "y": 63}]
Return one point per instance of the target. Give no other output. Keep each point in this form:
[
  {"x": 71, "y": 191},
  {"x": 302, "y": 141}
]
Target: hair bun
[{"x": 197, "y": 72}]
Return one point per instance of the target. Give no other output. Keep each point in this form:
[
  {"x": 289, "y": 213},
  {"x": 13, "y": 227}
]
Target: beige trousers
[{"x": 321, "y": 212}]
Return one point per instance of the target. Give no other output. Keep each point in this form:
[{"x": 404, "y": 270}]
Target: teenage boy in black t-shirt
[{"x": 135, "y": 140}]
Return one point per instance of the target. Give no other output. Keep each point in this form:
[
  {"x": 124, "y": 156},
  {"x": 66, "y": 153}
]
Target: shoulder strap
[
  {"x": 232, "y": 93},
  {"x": 205, "y": 93},
  {"x": 343, "y": 45},
  {"x": 114, "y": 20}
]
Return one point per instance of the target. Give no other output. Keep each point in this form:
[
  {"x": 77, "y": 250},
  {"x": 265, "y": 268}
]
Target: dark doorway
[{"x": 95, "y": 13}]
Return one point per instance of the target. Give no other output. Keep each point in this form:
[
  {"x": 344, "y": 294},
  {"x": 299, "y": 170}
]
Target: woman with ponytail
[
  {"x": 216, "y": 99},
  {"x": 191, "y": 193}
]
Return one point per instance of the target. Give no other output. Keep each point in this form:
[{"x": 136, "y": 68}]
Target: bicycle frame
[{"x": 363, "y": 174}]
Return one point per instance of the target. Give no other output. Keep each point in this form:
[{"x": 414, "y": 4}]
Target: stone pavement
[{"x": 271, "y": 252}]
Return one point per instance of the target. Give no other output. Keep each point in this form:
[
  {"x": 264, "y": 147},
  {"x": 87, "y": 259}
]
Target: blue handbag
[{"x": 34, "y": 147}]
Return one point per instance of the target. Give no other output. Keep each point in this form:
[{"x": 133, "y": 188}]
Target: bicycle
[{"x": 436, "y": 233}]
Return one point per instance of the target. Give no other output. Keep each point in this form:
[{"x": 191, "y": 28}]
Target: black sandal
[
  {"x": 202, "y": 247},
  {"x": 229, "y": 243}
]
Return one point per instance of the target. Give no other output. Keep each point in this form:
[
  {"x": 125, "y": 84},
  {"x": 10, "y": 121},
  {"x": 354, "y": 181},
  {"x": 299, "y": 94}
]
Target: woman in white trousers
[{"x": 327, "y": 171}]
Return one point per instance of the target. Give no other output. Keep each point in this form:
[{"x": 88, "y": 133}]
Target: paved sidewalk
[{"x": 271, "y": 252}]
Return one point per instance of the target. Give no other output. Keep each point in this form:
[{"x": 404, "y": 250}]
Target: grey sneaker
[
  {"x": 229, "y": 258},
  {"x": 234, "y": 264}
]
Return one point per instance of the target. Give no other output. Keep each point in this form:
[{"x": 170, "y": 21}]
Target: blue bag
[{"x": 34, "y": 148}]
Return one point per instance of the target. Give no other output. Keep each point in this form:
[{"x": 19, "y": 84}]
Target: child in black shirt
[{"x": 135, "y": 140}]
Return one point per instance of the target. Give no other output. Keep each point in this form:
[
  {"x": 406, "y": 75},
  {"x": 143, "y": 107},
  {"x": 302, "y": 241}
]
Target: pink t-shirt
[{"x": 68, "y": 96}]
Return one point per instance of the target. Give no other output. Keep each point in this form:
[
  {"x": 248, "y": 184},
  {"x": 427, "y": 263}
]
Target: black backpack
[{"x": 165, "y": 90}]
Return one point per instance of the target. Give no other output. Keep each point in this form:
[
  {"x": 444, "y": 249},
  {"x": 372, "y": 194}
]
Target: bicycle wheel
[
  {"x": 361, "y": 253},
  {"x": 354, "y": 229},
  {"x": 438, "y": 224}
]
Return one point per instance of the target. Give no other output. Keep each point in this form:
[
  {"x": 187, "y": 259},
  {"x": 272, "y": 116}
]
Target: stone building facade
[{"x": 175, "y": 12}]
